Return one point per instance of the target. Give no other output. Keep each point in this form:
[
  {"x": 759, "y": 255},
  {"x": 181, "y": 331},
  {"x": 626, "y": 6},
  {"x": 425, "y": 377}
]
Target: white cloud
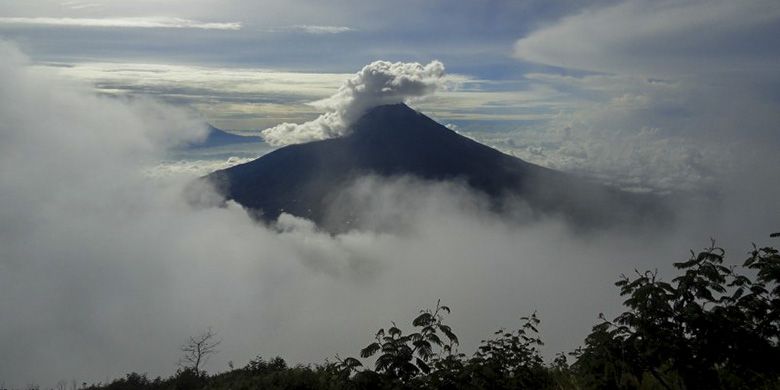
[
  {"x": 662, "y": 38},
  {"x": 128, "y": 22},
  {"x": 378, "y": 83},
  {"x": 193, "y": 168}
]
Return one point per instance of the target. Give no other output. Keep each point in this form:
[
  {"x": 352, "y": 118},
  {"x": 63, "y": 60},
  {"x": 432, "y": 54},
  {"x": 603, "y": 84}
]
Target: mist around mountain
[
  {"x": 391, "y": 141},
  {"x": 714, "y": 326},
  {"x": 105, "y": 270}
]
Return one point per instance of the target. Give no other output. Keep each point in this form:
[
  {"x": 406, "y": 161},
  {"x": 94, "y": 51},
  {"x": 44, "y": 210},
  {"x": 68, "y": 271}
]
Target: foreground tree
[
  {"x": 712, "y": 327},
  {"x": 404, "y": 357},
  {"x": 512, "y": 359},
  {"x": 428, "y": 358},
  {"x": 198, "y": 349}
]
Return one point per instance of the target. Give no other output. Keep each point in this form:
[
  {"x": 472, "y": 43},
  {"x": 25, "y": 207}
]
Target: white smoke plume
[{"x": 378, "y": 83}]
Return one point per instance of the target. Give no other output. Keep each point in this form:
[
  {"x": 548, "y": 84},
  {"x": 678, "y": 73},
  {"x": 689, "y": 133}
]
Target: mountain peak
[
  {"x": 399, "y": 126},
  {"x": 389, "y": 117},
  {"x": 393, "y": 108},
  {"x": 398, "y": 110}
]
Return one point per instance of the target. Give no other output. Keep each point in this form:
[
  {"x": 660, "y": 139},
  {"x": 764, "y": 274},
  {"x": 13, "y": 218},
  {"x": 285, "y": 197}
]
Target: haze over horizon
[{"x": 101, "y": 253}]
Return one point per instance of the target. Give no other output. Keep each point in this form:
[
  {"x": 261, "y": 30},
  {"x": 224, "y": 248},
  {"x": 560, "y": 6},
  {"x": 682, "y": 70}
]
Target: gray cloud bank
[
  {"x": 685, "y": 92},
  {"x": 662, "y": 38},
  {"x": 105, "y": 271}
]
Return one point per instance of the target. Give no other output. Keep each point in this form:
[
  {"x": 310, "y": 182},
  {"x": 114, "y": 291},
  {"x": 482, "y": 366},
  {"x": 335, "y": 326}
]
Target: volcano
[{"x": 395, "y": 140}]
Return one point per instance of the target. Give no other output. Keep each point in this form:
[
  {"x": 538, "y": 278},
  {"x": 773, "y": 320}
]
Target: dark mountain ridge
[{"x": 395, "y": 140}]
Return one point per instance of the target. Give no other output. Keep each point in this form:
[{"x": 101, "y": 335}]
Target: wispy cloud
[
  {"x": 131, "y": 22},
  {"x": 315, "y": 29},
  {"x": 80, "y": 5}
]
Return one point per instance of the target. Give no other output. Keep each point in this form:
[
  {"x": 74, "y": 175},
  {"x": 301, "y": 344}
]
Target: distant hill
[
  {"x": 217, "y": 137},
  {"x": 395, "y": 140}
]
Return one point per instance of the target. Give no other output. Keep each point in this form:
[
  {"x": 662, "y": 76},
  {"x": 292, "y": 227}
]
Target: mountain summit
[{"x": 395, "y": 140}]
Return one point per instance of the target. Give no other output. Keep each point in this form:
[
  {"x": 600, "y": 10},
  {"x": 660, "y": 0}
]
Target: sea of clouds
[{"x": 105, "y": 270}]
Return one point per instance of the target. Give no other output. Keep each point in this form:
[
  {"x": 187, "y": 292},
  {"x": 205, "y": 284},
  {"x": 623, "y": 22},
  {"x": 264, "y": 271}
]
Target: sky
[
  {"x": 597, "y": 87},
  {"x": 670, "y": 97}
]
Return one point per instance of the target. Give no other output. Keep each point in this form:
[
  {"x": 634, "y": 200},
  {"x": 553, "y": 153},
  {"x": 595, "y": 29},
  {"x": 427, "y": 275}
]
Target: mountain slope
[{"x": 394, "y": 140}]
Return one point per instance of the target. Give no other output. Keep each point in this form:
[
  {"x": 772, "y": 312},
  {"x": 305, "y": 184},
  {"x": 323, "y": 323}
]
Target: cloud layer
[
  {"x": 104, "y": 270},
  {"x": 113, "y": 270},
  {"x": 378, "y": 83},
  {"x": 232, "y": 98}
]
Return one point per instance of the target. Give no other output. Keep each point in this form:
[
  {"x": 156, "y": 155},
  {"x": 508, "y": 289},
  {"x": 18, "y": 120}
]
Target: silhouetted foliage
[
  {"x": 404, "y": 357},
  {"x": 512, "y": 360},
  {"x": 429, "y": 358},
  {"x": 710, "y": 328}
]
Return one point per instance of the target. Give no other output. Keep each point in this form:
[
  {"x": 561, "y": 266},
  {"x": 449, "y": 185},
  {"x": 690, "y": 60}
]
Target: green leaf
[
  {"x": 423, "y": 367},
  {"x": 369, "y": 350},
  {"x": 448, "y": 332},
  {"x": 351, "y": 362},
  {"x": 383, "y": 362},
  {"x": 433, "y": 338},
  {"x": 422, "y": 319}
]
